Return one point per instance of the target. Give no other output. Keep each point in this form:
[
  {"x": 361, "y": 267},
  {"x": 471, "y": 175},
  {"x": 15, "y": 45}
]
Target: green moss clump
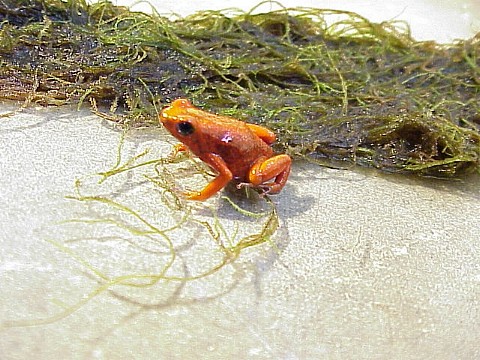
[{"x": 348, "y": 90}]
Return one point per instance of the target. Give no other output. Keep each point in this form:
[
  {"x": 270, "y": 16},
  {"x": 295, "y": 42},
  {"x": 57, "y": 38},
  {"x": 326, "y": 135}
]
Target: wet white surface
[
  {"x": 439, "y": 20},
  {"x": 364, "y": 266}
]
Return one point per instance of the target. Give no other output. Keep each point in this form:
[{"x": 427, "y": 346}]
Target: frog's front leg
[
  {"x": 276, "y": 167},
  {"x": 223, "y": 178}
]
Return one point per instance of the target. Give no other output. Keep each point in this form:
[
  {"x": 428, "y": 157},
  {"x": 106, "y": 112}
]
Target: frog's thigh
[
  {"x": 277, "y": 167},
  {"x": 267, "y": 135}
]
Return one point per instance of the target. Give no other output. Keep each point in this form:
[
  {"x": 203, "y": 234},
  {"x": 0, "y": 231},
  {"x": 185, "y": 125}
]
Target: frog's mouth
[{"x": 168, "y": 120}]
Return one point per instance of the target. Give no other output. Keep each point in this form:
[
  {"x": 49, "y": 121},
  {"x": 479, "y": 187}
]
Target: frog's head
[{"x": 180, "y": 120}]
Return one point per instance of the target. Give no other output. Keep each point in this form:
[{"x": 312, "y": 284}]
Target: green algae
[{"x": 343, "y": 90}]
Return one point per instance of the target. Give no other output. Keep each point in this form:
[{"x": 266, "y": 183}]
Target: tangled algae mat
[{"x": 344, "y": 90}]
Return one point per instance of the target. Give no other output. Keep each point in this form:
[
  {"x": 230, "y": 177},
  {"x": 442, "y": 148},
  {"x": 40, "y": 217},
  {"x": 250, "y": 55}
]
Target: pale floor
[{"x": 363, "y": 265}]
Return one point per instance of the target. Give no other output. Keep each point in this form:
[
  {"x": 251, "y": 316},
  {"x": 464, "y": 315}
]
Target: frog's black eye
[{"x": 185, "y": 128}]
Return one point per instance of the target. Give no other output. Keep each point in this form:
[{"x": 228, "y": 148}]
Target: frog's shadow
[{"x": 287, "y": 203}]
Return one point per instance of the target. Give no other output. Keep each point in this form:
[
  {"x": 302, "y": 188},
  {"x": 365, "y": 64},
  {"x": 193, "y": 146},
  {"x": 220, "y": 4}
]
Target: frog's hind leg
[
  {"x": 276, "y": 167},
  {"x": 267, "y": 135}
]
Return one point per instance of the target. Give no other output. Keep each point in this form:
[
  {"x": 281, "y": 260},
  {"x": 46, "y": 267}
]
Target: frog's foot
[
  {"x": 264, "y": 188},
  {"x": 276, "y": 168},
  {"x": 178, "y": 148}
]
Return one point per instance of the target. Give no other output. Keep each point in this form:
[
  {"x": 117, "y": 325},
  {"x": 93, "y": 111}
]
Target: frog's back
[{"x": 233, "y": 141}]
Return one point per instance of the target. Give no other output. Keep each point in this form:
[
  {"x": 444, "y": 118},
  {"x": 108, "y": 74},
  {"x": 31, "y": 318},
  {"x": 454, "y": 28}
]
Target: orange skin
[{"x": 234, "y": 149}]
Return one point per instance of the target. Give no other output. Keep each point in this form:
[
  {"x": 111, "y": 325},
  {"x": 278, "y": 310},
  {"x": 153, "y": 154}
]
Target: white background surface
[
  {"x": 440, "y": 20},
  {"x": 367, "y": 267}
]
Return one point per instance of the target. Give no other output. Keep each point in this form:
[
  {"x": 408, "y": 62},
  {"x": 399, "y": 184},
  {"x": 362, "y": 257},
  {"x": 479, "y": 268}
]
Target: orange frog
[{"x": 236, "y": 150}]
